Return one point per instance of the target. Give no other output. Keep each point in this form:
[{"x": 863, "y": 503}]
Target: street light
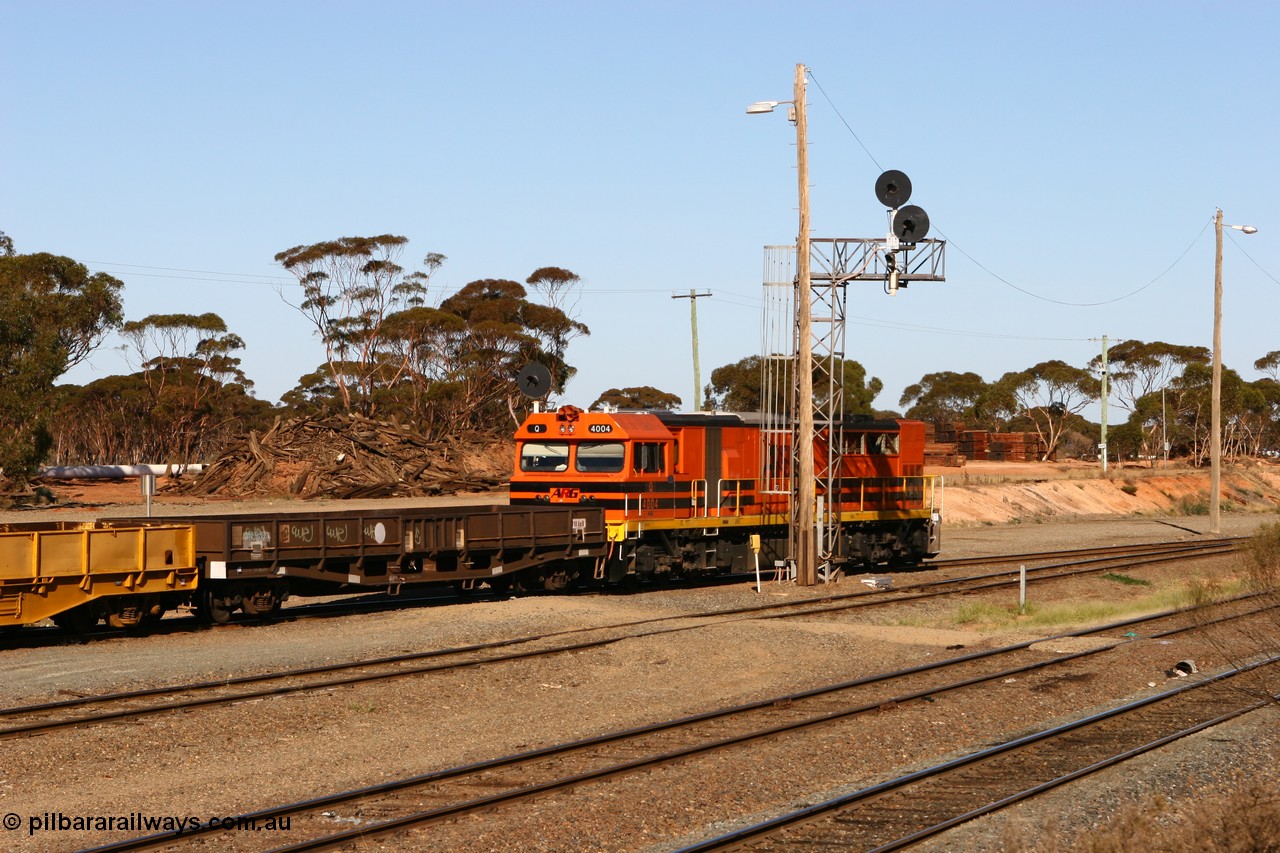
[
  {"x": 805, "y": 493},
  {"x": 1215, "y": 427}
]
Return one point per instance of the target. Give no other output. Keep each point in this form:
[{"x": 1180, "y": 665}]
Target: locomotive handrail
[
  {"x": 736, "y": 496},
  {"x": 694, "y": 487}
]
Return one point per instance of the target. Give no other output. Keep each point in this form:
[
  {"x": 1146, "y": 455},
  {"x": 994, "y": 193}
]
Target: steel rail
[
  {"x": 824, "y": 606},
  {"x": 775, "y": 825},
  {"x": 665, "y": 757}
]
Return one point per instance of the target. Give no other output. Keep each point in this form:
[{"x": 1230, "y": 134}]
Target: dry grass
[{"x": 1241, "y": 817}]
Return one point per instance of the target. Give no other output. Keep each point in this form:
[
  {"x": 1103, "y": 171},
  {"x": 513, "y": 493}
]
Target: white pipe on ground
[{"x": 115, "y": 472}]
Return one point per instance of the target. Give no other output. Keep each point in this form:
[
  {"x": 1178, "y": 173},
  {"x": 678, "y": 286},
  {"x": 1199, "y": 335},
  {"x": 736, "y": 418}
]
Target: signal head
[
  {"x": 534, "y": 380},
  {"x": 911, "y": 223},
  {"x": 893, "y": 188}
]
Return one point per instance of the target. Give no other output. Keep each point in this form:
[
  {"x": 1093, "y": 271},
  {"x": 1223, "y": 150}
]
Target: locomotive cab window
[
  {"x": 603, "y": 457},
  {"x": 884, "y": 444},
  {"x": 544, "y": 456},
  {"x": 647, "y": 457}
]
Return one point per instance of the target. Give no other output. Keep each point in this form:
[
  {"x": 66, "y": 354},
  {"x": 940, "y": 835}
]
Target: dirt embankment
[
  {"x": 978, "y": 493},
  {"x": 999, "y": 493}
]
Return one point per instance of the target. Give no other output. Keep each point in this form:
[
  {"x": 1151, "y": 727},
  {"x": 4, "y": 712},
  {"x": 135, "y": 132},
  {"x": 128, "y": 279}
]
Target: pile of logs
[{"x": 350, "y": 456}]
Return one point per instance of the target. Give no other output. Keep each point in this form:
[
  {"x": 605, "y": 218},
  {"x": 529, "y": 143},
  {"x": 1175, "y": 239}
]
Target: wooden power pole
[
  {"x": 693, "y": 298},
  {"x": 806, "y": 492}
]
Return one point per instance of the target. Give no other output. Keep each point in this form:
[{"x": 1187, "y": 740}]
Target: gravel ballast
[{"x": 232, "y": 759}]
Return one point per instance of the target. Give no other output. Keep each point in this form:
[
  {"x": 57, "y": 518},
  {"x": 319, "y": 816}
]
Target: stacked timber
[
  {"x": 350, "y": 456},
  {"x": 942, "y": 453},
  {"x": 947, "y": 432},
  {"x": 973, "y": 444},
  {"x": 1016, "y": 446}
]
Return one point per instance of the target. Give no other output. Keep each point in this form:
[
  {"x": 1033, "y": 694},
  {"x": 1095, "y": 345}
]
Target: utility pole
[
  {"x": 1164, "y": 428},
  {"x": 806, "y": 492},
  {"x": 693, "y": 298},
  {"x": 1215, "y": 420},
  {"x": 890, "y": 261},
  {"x": 1215, "y": 429},
  {"x": 1103, "y": 445}
]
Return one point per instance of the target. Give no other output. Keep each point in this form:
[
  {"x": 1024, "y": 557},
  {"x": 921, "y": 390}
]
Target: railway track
[
  {"x": 35, "y": 637},
  {"x": 910, "y": 808},
  {"x": 541, "y": 775},
  {"x": 95, "y": 710}
]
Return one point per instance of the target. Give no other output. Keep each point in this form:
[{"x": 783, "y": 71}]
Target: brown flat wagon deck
[{"x": 126, "y": 569}]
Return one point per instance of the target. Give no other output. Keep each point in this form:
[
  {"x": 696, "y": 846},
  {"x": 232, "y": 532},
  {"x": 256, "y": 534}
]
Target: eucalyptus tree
[
  {"x": 1136, "y": 369},
  {"x": 557, "y": 323},
  {"x": 53, "y": 314},
  {"x": 948, "y": 396},
  {"x": 638, "y": 397},
  {"x": 1269, "y": 364},
  {"x": 350, "y": 287},
  {"x": 737, "y": 387},
  {"x": 193, "y": 378},
  {"x": 503, "y": 330},
  {"x": 1048, "y": 394}
]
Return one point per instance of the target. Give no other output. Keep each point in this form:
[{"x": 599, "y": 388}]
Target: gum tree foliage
[
  {"x": 1269, "y": 397},
  {"x": 501, "y": 332},
  {"x": 1047, "y": 394},
  {"x": 350, "y": 287},
  {"x": 1137, "y": 369},
  {"x": 738, "y": 387},
  {"x": 53, "y": 314},
  {"x": 191, "y": 376},
  {"x": 1269, "y": 364},
  {"x": 638, "y": 397},
  {"x": 442, "y": 367},
  {"x": 948, "y": 396},
  {"x": 188, "y": 400},
  {"x": 557, "y": 326},
  {"x": 1247, "y": 412},
  {"x": 1184, "y": 415}
]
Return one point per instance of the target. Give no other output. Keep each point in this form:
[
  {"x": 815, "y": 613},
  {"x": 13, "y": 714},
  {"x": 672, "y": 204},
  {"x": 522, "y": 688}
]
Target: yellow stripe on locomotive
[{"x": 712, "y": 474}]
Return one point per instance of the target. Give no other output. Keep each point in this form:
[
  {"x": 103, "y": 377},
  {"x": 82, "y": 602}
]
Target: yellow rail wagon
[{"x": 77, "y": 573}]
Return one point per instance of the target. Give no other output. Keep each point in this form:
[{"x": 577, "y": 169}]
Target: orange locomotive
[{"x": 684, "y": 493}]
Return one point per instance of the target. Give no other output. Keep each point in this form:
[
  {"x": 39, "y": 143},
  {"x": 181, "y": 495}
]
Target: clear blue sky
[{"x": 1075, "y": 150}]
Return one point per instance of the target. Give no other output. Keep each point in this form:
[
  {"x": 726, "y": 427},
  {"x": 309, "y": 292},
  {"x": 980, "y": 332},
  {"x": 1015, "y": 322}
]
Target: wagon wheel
[
  {"x": 260, "y": 602},
  {"x": 214, "y": 609},
  {"x": 124, "y": 612},
  {"x": 77, "y": 620}
]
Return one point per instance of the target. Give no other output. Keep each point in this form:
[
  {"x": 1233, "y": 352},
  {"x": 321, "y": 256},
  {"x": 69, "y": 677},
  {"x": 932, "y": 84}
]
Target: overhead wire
[
  {"x": 986, "y": 269},
  {"x": 1264, "y": 271}
]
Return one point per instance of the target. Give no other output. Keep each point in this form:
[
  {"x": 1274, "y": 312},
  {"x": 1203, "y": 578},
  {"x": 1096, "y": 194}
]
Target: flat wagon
[{"x": 78, "y": 573}]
